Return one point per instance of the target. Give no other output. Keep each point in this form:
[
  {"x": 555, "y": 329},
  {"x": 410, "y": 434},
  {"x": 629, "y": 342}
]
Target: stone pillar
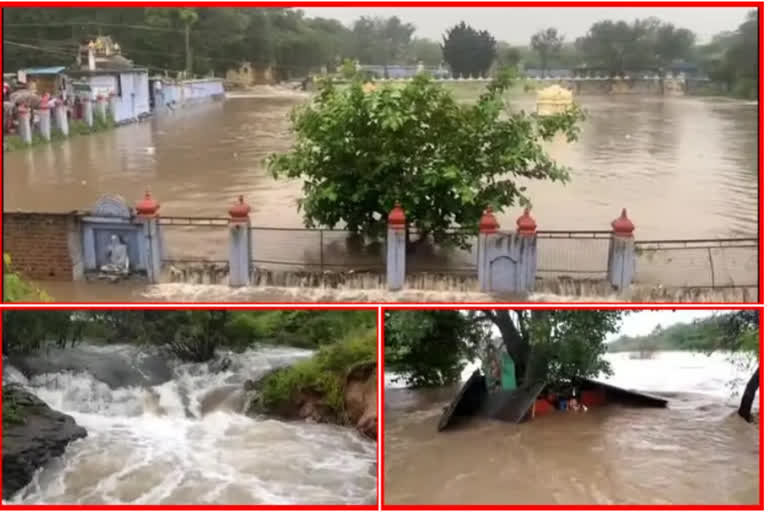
[
  {"x": 62, "y": 122},
  {"x": 146, "y": 212},
  {"x": 87, "y": 111},
  {"x": 45, "y": 120},
  {"x": 101, "y": 108},
  {"x": 239, "y": 244},
  {"x": 526, "y": 238},
  {"x": 621, "y": 252},
  {"x": 488, "y": 228},
  {"x": 113, "y": 102},
  {"x": 396, "y": 244},
  {"x": 25, "y": 128}
]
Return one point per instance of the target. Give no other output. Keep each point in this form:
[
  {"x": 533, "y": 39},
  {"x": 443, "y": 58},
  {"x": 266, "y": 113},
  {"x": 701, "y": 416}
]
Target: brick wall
[{"x": 43, "y": 246}]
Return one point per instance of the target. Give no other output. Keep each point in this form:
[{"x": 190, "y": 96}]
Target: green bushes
[
  {"x": 324, "y": 374},
  {"x": 298, "y": 328},
  {"x": 16, "y": 288}
]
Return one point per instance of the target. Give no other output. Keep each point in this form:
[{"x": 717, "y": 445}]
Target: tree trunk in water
[
  {"x": 745, "y": 409},
  {"x": 188, "y": 50},
  {"x": 515, "y": 343}
]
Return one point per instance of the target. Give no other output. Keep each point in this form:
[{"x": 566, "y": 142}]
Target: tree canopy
[
  {"x": 430, "y": 348},
  {"x": 468, "y": 52},
  {"x": 732, "y": 58},
  {"x": 552, "y": 346},
  {"x": 645, "y": 44},
  {"x": 547, "y": 43},
  {"x": 362, "y": 148}
]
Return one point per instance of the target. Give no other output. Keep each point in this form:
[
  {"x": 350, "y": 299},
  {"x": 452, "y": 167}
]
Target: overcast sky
[
  {"x": 640, "y": 323},
  {"x": 516, "y": 24}
]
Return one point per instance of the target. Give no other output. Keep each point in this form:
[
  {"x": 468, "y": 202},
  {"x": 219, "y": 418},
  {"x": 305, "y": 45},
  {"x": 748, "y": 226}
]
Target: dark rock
[
  {"x": 123, "y": 367},
  {"x": 41, "y": 435}
]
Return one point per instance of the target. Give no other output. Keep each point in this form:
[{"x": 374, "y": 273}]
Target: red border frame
[
  {"x": 761, "y": 404},
  {"x": 601, "y": 305},
  {"x": 464, "y": 3}
]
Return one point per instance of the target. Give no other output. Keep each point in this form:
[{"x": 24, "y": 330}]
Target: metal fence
[
  {"x": 318, "y": 249},
  {"x": 194, "y": 239},
  {"x": 701, "y": 263},
  {"x": 713, "y": 263},
  {"x": 574, "y": 254}
]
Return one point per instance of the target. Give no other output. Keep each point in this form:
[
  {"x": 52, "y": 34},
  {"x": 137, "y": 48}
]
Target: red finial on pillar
[
  {"x": 239, "y": 211},
  {"x": 147, "y": 207},
  {"x": 623, "y": 226},
  {"x": 396, "y": 217},
  {"x": 525, "y": 223},
  {"x": 488, "y": 223},
  {"x": 44, "y": 102}
]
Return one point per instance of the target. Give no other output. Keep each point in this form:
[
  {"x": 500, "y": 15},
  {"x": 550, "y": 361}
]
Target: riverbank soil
[
  {"x": 361, "y": 399},
  {"x": 696, "y": 451},
  {"x": 33, "y": 435}
]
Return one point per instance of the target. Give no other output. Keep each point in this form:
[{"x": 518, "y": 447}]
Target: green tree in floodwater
[
  {"x": 363, "y": 148},
  {"x": 432, "y": 347},
  {"x": 741, "y": 335},
  {"x": 556, "y": 345},
  {"x": 468, "y": 52}
]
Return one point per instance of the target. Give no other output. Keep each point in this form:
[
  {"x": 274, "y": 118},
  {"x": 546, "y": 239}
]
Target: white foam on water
[
  {"x": 153, "y": 446},
  {"x": 192, "y": 292}
]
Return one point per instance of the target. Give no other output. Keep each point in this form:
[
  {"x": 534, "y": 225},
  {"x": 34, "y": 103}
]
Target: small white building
[{"x": 110, "y": 75}]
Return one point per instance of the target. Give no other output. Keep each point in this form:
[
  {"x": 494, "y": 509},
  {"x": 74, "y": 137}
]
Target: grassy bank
[
  {"x": 77, "y": 127},
  {"x": 297, "y": 328},
  {"x": 322, "y": 377}
]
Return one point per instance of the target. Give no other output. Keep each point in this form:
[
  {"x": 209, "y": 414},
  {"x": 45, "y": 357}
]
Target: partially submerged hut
[{"x": 494, "y": 393}]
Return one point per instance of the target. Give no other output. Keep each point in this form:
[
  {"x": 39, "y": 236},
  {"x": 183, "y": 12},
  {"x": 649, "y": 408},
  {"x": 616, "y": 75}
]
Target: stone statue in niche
[{"x": 117, "y": 255}]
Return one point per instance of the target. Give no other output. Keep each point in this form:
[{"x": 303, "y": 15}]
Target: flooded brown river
[
  {"x": 695, "y": 451},
  {"x": 684, "y": 167}
]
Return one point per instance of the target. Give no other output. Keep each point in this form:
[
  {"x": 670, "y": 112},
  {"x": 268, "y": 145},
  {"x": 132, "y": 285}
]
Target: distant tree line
[
  {"x": 217, "y": 38},
  {"x": 214, "y": 39},
  {"x": 189, "y": 335}
]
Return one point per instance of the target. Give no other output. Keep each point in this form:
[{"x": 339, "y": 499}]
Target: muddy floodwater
[
  {"x": 683, "y": 167},
  {"x": 695, "y": 451}
]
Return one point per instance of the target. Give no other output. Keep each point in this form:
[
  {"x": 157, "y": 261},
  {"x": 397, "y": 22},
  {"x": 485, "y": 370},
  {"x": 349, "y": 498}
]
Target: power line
[
  {"x": 129, "y": 51},
  {"x": 95, "y": 23}
]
